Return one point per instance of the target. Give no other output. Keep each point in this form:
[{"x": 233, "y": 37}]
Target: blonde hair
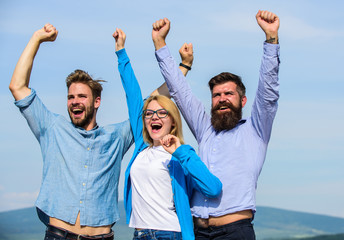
[{"x": 173, "y": 113}]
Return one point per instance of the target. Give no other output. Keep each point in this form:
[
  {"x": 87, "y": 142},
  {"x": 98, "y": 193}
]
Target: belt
[{"x": 69, "y": 235}]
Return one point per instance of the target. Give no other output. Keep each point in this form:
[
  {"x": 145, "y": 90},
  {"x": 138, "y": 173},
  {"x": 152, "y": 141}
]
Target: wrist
[
  {"x": 187, "y": 63},
  {"x": 119, "y": 48},
  {"x": 272, "y": 38},
  {"x": 185, "y": 66},
  {"x": 159, "y": 43}
]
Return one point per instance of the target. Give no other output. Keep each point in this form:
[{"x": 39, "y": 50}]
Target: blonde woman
[{"x": 163, "y": 172}]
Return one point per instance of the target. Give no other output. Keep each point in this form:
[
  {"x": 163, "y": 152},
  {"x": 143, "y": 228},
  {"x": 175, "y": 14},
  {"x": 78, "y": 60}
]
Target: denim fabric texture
[{"x": 148, "y": 234}]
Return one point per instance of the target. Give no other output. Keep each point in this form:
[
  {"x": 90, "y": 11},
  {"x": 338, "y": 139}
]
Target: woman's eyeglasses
[{"x": 161, "y": 113}]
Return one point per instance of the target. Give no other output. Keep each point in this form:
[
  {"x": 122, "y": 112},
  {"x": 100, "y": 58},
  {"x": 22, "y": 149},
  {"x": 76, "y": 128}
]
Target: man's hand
[
  {"x": 159, "y": 32},
  {"x": 186, "y": 54},
  {"x": 269, "y": 22},
  {"x": 170, "y": 143},
  {"x": 119, "y": 37},
  {"x": 46, "y": 34}
]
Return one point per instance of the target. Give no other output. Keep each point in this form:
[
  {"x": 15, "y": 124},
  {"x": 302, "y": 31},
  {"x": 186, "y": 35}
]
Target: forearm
[
  {"x": 265, "y": 104},
  {"x": 163, "y": 89},
  {"x": 205, "y": 181},
  {"x": 191, "y": 108},
  {"x": 159, "y": 43},
  {"x": 132, "y": 91},
  {"x": 19, "y": 85}
]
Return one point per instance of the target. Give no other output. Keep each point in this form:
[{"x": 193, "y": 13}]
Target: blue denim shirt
[
  {"x": 236, "y": 156},
  {"x": 188, "y": 173},
  {"x": 80, "y": 168}
]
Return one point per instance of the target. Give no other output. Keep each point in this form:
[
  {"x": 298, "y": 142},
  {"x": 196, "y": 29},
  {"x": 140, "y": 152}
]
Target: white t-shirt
[{"x": 152, "y": 197}]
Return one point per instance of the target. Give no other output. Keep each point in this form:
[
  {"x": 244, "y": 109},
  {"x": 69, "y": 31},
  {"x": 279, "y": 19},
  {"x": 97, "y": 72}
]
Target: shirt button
[
  {"x": 83, "y": 184},
  {"x": 88, "y": 149},
  {"x": 214, "y": 149},
  {"x": 80, "y": 201},
  {"x": 85, "y": 166},
  {"x": 168, "y": 165},
  {"x": 205, "y": 200}
]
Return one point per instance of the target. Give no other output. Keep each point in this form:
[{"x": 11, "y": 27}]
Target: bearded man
[
  {"x": 233, "y": 148},
  {"x": 81, "y": 160}
]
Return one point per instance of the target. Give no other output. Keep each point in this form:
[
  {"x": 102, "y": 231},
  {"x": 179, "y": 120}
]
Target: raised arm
[
  {"x": 186, "y": 55},
  {"x": 130, "y": 85},
  {"x": 191, "y": 108},
  {"x": 265, "y": 104},
  {"x": 19, "y": 85}
]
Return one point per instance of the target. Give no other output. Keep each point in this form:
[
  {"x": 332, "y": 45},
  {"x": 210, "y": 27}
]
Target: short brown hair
[
  {"x": 80, "y": 76},
  {"x": 173, "y": 113},
  {"x": 228, "y": 77}
]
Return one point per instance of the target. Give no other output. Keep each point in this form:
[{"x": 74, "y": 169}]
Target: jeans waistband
[
  {"x": 70, "y": 235},
  {"x": 233, "y": 224}
]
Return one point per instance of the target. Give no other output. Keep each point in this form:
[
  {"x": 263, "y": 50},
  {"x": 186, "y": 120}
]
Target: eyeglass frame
[{"x": 154, "y": 112}]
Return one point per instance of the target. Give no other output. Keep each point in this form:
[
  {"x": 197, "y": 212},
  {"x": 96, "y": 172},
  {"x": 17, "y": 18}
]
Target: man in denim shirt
[
  {"x": 81, "y": 160},
  {"x": 233, "y": 148}
]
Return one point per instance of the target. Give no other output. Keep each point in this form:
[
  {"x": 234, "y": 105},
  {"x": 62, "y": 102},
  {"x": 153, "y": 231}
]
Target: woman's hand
[{"x": 170, "y": 143}]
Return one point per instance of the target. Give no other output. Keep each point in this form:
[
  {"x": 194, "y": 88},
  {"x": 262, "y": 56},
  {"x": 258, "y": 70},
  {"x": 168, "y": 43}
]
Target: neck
[
  {"x": 156, "y": 143},
  {"x": 90, "y": 126}
]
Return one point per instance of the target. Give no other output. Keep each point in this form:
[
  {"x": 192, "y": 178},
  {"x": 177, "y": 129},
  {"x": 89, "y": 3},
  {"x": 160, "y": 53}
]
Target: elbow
[
  {"x": 18, "y": 91},
  {"x": 216, "y": 190},
  {"x": 12, "y": 87}
]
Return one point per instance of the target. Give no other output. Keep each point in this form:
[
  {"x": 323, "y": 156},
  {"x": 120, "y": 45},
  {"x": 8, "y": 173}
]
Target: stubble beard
[{"x": 86, "y": 120}]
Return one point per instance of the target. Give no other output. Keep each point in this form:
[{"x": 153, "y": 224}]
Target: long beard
[
  {"x": 86, "y": 120},
  {"x": 227, "y": 120}
]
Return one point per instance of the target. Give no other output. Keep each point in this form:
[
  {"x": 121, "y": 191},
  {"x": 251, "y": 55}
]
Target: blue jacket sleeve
[
  {"x": 133, "y": 93},
  {"x": 202, "y": 179}
]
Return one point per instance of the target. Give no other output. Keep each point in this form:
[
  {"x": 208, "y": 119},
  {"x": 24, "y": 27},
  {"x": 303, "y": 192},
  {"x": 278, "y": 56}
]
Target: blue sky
[{"x": 305, "y": 161}]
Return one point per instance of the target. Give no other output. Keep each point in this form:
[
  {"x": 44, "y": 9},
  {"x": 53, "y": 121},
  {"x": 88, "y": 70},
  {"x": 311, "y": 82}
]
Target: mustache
[
  {"x": 225, "y": 104},
  {"x": 78, "y": 105}
]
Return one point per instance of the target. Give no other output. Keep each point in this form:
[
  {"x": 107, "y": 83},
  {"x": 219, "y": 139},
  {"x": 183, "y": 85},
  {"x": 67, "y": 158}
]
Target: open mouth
[
  {"x": 223, "y": 108},
  {"x": 77, "y": 112},
  {"x": 156, "y": 127}
]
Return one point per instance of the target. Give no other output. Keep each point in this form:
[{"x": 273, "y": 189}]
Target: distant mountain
[
  {"x": 269, "y": 223},
  {"x": 23, "y": 224},
  {"x": 274, "y": 223},
  {"x": 321, "y": 237}
]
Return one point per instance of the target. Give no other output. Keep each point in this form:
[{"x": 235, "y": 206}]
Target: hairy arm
[{"x": 19, "y": 85}]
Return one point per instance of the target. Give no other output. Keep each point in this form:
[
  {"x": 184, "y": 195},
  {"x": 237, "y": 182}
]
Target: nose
[
  {"x": 155, "y": 115},
  {"x": 75, "y": 101},
  {"x": 222, "y": 98}
]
